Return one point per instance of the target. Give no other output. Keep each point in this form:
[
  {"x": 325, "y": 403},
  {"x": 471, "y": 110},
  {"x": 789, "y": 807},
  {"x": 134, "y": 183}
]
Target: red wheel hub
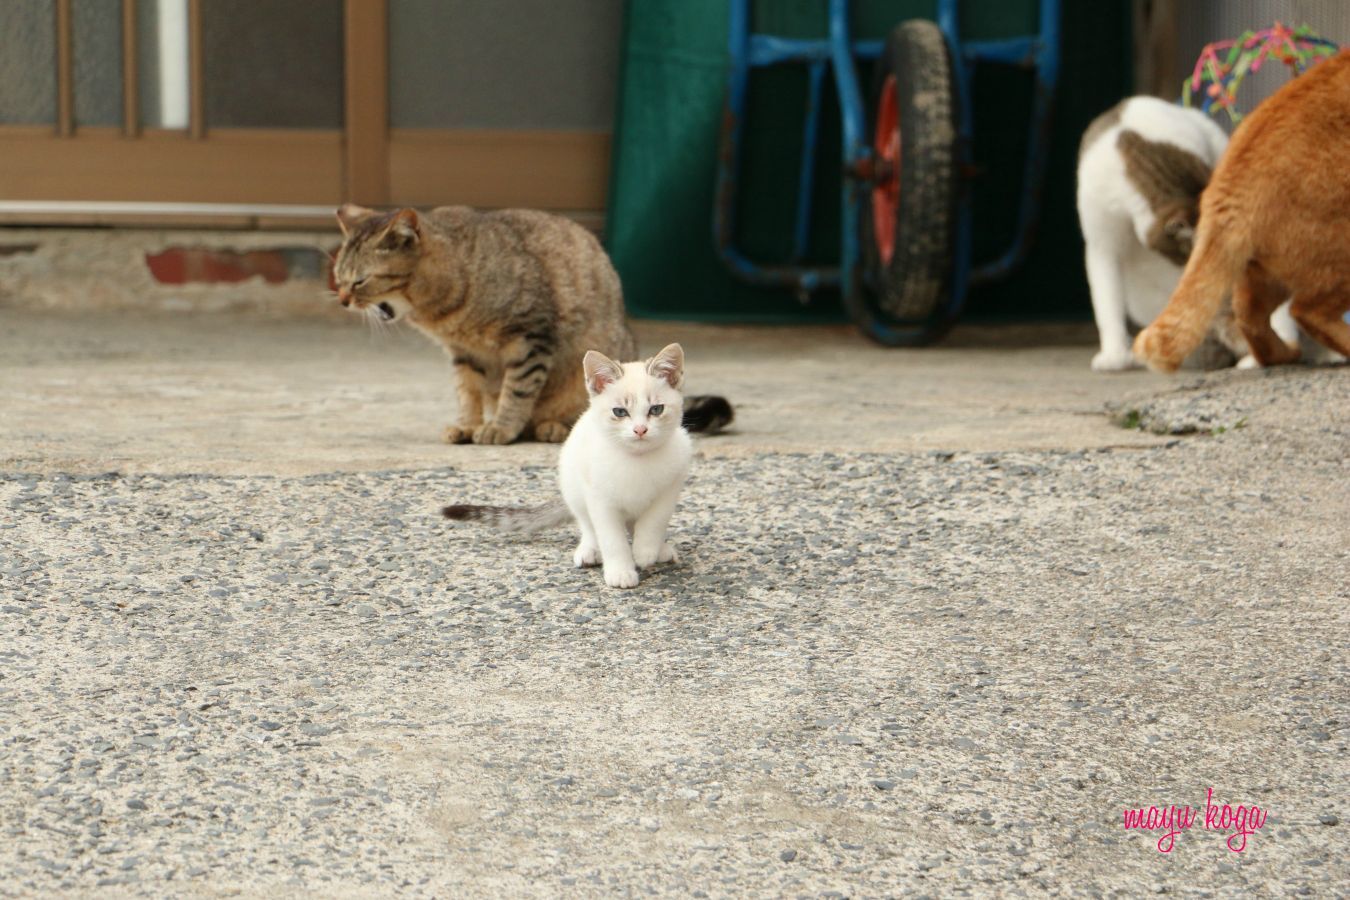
[{"x": 886, "y": 159}]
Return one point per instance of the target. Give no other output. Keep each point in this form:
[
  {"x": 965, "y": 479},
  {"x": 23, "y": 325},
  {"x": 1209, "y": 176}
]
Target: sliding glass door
[{"x": 241, "y": 110}]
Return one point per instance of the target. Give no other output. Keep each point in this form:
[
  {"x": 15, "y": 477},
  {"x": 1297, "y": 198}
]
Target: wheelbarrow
[{"x": 905, "y": 234}]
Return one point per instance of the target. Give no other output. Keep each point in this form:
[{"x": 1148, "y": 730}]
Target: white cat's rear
[{"x": 1129, "y": 280}]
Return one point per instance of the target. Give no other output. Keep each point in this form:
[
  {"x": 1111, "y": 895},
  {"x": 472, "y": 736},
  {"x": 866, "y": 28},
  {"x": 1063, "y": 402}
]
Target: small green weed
[{"x": 1220, "y": 429}]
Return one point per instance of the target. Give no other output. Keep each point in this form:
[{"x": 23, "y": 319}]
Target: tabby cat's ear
[
  {"x": 349, "y": 215},
  {"x": 404, "y": 231},
  {"x": 601, "y": 371},
  {"x": 668, "y": 365}
]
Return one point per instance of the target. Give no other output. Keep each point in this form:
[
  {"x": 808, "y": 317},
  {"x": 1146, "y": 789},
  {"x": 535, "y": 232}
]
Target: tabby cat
[
  {"x": 514, "y": 296},
  {"x": 1273, "y": 222}
]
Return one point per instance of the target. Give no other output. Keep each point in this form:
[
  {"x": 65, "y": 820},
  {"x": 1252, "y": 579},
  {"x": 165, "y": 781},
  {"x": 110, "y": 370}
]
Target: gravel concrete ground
[
  {"x": 247, "y": 395},
  {"x": 880, "y": 668}
]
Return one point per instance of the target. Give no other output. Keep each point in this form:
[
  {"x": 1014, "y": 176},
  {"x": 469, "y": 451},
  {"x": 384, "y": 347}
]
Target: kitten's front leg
[
  {"x": 649, "y": 533},
  {"x": 588, "y": 548},
  {"x": 526, "y": 374},
  {"x": 469, "y": 387},
  {"x": 615, "y": 554},
  {"x": 1106, "y": 282}
]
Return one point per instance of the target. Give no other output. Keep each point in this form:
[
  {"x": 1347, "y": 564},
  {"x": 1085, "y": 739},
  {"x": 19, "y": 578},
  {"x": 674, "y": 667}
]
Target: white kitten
[
  {"x": 623, "y": 465},
  {"x": 1141, "y": 168},
  {"x": 620, "y": 470}
]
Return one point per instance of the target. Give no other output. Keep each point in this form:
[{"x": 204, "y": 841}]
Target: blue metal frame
[{"x": 839, "y": 52}]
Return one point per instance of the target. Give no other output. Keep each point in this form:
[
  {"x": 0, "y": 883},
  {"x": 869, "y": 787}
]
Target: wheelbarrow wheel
[{"x": 909, "y": 215}]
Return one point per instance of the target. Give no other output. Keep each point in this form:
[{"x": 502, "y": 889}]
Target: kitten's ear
[
  {"x": 349, "y": 215},
  {"x": 668, "y": 365},
  {"x": 404, "y": 231},
  {"x": 601, "y": 371}
]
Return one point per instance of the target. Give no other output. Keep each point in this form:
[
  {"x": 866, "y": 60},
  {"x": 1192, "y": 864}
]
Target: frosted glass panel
[
  {"x": 273, "y": 65},
  {"x": 268, "y": 64},
  {"x": 27, "y": 62},
  {"x": 526, "y": 64},
  {"x": 98, "y": 62}
]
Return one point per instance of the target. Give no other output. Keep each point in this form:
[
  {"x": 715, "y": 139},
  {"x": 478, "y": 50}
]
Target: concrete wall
[{"x": 151, "y": 270}]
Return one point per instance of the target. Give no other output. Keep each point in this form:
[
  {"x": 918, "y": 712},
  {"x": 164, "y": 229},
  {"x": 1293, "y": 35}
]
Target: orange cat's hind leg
[
  {"x": 1255, "y": 296},
  {"x": 1323, "y": 317}
]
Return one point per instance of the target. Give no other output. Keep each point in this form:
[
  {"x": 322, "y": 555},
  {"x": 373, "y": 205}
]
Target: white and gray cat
[
  {"x": 621, "y": 469},
  {"x": 1142, "y": 166}
]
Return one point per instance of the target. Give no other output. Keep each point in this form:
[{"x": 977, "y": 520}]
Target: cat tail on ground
[
  {"x": 1217, "y": 263},
  {"x": 517, "y": 519},
  {"x": 707, "y": 413}
]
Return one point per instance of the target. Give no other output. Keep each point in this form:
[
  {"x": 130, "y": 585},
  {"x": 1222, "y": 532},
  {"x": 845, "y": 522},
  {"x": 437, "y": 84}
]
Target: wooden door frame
[
  {"x": 160, "y": 175},
  {"x": 366, "y": 89}
]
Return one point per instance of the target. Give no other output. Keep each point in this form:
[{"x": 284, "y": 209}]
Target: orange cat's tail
[{"x": 1216, "y": 264}]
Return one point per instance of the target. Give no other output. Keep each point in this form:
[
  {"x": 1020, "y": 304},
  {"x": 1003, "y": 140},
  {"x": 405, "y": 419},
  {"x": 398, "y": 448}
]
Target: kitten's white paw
[
  {"x": 620, "y": 578},
  {"x": 492, "y": 433},
  {"x": 644, "y": 557},
  {"x": 1114, "y": 361},
  {"x": 586, "y": 556},
  {"x": 1248, "y": 362}
]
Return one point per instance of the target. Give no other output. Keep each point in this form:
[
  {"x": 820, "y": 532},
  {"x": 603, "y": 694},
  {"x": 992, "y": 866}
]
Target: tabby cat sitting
[{"x": 516, "y": 297}]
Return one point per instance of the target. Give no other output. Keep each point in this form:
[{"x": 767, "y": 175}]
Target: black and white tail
[
  {"x": 707, "y": 413},
  {"x": 517, "y": 519}
]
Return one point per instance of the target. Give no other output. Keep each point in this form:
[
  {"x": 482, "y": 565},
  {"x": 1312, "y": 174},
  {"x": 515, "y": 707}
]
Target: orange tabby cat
[{"x": 1274, "y": 221}]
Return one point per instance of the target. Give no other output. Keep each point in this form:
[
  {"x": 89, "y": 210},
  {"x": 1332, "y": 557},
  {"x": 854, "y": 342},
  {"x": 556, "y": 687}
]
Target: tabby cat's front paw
[
  {"x": 457, "y": 434},
  {"x": 492, "y": 433},
  {"x": 550, "y": 432},
  {"x": 619, "y": 577}
]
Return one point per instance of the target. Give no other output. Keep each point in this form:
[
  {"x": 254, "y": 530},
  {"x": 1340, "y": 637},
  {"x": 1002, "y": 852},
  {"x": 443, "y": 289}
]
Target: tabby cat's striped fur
[{"x": 516, "y": 297}]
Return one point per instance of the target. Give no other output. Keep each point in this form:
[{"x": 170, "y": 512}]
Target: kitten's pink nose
[
  {"x": 639, "y": 430},
  {"x": 345, "y": 295}
]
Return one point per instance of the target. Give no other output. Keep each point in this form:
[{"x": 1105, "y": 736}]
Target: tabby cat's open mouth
[{"x": 386, "y": 311}]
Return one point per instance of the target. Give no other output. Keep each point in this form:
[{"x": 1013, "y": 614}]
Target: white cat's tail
[{"x": 516, "y": 519}]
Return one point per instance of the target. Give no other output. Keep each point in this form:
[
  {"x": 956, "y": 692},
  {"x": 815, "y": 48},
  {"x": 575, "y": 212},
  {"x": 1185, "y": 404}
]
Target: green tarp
[{"x": 659, "y": 223}]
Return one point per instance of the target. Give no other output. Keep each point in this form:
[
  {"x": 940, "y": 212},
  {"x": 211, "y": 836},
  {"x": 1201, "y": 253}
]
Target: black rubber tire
[{"x": 904, "y": 302}]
